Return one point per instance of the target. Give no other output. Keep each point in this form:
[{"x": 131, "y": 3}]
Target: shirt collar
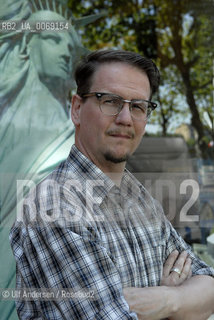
[
  {"x": 87, "y": 170},
  {"x": 130, "y": 185}
]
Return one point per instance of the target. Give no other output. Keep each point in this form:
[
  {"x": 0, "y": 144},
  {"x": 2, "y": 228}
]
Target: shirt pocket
[{"x": 150, "y": 257}]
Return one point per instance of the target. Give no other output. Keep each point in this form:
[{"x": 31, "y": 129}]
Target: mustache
[{"x": 128, "y": 133}]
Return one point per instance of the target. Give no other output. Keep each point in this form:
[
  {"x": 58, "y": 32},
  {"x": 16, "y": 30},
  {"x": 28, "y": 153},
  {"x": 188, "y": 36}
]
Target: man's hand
[
  {"x": 156, "y": 303},
  {"x": 179, "y": 261}
]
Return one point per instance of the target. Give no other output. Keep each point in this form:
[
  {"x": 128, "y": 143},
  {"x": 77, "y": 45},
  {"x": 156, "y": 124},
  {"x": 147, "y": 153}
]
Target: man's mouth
[{"x": 122, "y": 135}]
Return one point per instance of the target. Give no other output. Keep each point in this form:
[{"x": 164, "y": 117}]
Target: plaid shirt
[{"x": 79, "y": 231}]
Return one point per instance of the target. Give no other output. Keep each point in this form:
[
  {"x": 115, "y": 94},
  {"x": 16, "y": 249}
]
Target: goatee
[{"x": 110, "y": 157}]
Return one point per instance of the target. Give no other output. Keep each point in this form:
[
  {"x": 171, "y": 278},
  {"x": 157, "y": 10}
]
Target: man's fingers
[
  {"x": 170, "y": 262},
  {"x": 180, "y": 263},
  {"x": 177, "y": 269},
  {"x": 187, "y": 270}
]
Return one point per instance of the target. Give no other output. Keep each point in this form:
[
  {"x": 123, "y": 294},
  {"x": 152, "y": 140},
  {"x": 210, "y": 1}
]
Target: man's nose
[{"x": 124, "y": 117}]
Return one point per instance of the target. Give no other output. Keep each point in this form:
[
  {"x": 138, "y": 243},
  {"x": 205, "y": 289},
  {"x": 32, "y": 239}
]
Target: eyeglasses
[{"x": 112, "y": 104}]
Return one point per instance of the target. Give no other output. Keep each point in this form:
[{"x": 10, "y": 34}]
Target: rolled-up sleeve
[
  {"x": 175, "y": 241},
  {"x": 52, "y": 256}
]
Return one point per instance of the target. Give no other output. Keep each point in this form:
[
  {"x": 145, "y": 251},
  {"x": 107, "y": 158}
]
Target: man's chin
[{"x": 116, "y": 159}]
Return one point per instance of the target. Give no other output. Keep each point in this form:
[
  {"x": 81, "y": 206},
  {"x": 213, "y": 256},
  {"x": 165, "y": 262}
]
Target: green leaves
[{"x": 177, "y": 34}]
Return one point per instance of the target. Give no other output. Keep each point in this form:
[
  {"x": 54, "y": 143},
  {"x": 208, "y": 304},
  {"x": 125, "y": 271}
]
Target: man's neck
[
  {"x": 115, "y": 177},
  {"x": 112, "y": 170}
]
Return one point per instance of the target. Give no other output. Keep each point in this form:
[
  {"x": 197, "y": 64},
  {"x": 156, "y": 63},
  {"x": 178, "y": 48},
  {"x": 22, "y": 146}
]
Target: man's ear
[{"x": 75, "y": 109}]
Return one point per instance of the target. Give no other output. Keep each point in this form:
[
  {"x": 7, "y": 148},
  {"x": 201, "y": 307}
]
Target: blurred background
[{"x": 176, "y": 157}]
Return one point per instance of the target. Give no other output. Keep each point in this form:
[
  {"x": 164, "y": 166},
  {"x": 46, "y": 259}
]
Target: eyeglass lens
[{"x": 112, "y": 105}]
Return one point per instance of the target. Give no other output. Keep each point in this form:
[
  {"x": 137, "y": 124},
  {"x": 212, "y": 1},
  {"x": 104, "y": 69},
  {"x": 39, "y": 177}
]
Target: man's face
[
  {"x": 103, "y": 138},
  {"x": 51, "y": 53}
]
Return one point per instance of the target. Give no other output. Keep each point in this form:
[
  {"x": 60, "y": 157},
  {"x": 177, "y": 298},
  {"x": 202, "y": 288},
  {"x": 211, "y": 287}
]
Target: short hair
[{"x": 89, "y": 64}]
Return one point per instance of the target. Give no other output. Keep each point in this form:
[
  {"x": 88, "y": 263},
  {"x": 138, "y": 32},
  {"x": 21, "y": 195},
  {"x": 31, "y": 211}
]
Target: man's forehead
[
  {"x": 114, "y": 75},
  {"x": 111, "y": 67}
]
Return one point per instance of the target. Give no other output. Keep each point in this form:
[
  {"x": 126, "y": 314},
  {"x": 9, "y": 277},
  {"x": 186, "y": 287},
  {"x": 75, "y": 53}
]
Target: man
[{"x": 91, "y": 227}]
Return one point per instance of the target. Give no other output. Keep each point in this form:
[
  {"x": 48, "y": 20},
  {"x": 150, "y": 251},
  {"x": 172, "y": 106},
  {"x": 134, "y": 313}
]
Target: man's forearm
[
  {"x": 195, "y": 298},
  {"x": 192, "y": 300},
  {"x": 152, "y": 303}
]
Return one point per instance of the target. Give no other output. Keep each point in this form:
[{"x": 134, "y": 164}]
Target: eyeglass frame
[{"x": 98, "y": 95}]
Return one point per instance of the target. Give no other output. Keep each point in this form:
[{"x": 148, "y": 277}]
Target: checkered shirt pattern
[{"x": 78, "y": 231}]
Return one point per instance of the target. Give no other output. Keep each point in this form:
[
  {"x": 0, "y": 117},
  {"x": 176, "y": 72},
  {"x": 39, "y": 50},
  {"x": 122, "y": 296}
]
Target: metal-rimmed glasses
[{"x": 111, "y": 105}]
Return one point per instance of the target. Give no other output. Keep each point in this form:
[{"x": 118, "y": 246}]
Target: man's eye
[
  {"x": 111, "y": 101},
  {"x": 136, "y": 106},
  {"x": 139, "y": 107}
]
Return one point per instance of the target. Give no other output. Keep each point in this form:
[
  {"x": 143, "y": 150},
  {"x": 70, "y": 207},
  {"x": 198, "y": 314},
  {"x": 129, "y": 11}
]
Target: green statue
[{"x": 36, "y": 77}]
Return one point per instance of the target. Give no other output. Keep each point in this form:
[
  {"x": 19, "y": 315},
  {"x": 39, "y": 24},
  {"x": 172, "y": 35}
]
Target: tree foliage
[{"x": 177, "y": 34}]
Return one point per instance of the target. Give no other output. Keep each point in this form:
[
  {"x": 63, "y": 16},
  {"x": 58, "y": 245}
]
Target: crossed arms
[
  {"x": 71, "y": 254},
  {"x": 56, "y": 258},
  {"x": 178, "y": 298}
]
